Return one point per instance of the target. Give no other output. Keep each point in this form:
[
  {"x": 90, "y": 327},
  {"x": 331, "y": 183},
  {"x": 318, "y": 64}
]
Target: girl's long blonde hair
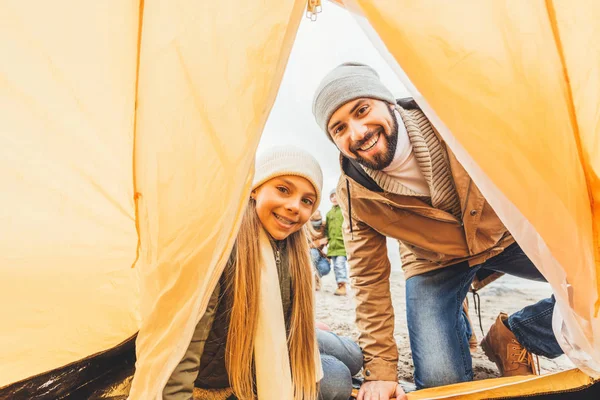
[{"x": 245, "y": 288}]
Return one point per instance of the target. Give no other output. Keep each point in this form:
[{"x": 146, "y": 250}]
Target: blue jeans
[
  {"x": 439, "y": 332},
  {"x": 340, "y": 269},
  {"x": 321, "y": 263},
  {"x": 341, "y": 359}
]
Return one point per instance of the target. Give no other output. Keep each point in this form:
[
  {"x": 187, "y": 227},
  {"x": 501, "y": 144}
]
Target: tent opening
[{"x": 129, "y": 133}]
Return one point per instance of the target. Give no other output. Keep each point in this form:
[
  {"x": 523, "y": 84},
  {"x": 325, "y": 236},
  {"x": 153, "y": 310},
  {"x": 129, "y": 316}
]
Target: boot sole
[{"x": 490, "y": 355}]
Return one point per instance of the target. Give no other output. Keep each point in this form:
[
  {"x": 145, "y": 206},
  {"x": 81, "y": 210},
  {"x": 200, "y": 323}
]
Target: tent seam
[
  {"x": 136, "y": 194},
  {"x": 571, "y": 108}
]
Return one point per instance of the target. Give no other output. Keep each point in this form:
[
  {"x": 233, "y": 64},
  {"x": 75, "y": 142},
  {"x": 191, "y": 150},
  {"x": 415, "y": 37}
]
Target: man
[
  {"x": 335, "y": 248},
  {"x": 318, "y": 240},
  {"x": 400, "y": 180}
]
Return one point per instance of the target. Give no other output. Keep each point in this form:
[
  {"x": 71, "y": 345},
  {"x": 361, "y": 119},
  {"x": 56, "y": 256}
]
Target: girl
[{"x": 220, "y": 359}]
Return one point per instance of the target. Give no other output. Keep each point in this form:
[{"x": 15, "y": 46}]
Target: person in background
[
  {"x": 318, "y": 241},
  {"x": 335, "y": 248}
]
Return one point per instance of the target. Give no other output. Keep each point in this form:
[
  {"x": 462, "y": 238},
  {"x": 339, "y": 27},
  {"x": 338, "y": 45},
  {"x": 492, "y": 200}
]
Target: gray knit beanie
[
  {"x": 288, "y": 160},
  {"x": 344, "y": 83}
]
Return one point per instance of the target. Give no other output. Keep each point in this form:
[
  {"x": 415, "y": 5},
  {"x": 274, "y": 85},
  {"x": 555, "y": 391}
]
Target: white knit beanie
[
  {"x": 346, "y": 82},
  {"x": 288, "y": 160}
]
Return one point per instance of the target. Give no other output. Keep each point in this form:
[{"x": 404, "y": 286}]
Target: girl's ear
[{"x": 253, "y": 194}]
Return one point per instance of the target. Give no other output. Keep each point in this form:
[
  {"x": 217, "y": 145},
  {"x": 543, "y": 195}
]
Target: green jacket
[{"x": 334, "y": 221}]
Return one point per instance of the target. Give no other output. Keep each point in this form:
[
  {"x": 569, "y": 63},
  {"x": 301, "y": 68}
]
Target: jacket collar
[{"x": 351, "y": 168}]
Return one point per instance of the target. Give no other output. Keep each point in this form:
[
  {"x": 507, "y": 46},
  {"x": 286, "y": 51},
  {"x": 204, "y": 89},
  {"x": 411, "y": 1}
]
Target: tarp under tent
[{"x": 120, "y": 119}]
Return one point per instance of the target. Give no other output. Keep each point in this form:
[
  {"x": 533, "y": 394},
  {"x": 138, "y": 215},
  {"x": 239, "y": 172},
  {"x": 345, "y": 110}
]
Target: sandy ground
[{"x": 507, "y": 294}]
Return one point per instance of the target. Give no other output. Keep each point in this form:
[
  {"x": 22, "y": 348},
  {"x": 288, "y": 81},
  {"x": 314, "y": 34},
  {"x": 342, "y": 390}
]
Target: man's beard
[{"x": 379, "y": 161}]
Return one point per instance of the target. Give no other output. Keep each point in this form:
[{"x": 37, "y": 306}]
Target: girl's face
[{"x": 284, "y": 204}]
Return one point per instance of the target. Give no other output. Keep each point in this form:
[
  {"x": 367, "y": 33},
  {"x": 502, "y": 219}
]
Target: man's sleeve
[{"x": 370, "y": 273}]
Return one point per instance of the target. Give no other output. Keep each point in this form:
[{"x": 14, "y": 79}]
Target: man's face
[{"x": 365, "y": 130}]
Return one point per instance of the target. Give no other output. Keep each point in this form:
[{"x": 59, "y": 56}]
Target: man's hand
[{"x": 381, "y": 390}]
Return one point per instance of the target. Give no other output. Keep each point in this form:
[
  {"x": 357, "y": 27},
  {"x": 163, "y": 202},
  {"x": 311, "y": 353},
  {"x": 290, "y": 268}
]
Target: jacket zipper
[
  {"x": 349, "y": 208},
  {"x": 462, "y": 213}
]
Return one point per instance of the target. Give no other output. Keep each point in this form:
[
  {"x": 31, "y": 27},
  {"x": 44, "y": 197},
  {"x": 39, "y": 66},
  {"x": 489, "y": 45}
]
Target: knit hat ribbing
[
  {"x": 346, "y": 82},
  {"x": 288, "y": 160}
]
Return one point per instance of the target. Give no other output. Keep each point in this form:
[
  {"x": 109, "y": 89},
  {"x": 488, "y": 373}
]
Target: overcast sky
[{"x": 320, "y": 46}]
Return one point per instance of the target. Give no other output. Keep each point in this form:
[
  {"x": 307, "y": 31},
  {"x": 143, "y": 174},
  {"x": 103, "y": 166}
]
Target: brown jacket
[{"x": 430, "y": 238}]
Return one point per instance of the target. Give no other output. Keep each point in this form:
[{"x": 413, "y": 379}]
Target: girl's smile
[{"x": 284, "y": 204}]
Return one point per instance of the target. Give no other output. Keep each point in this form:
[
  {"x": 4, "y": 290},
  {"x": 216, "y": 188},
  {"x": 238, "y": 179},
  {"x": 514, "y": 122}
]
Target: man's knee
[
  {"x": 337, "y": 381},
  {"x": 439, "y": 373}
]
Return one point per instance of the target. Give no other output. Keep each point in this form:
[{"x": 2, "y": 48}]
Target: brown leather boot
[
  {"x": 341, "y": 289},
  {"x": 501, "y": 346},
  {"x": 317, "y": 282},
  {"x": 473, "y": 339}
]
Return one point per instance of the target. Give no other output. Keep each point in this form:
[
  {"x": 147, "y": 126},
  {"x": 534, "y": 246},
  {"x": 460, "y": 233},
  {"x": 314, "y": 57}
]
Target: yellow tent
[{"x": 119, "y": 118}]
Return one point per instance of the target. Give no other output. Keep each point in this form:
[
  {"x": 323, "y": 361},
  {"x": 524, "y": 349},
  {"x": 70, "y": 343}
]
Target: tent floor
[
  {"x": 95, "y": 377},
  {"x": 108, "y": 375}
]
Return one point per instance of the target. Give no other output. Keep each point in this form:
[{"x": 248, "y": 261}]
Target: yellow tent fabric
[
  {"x": 102, "y": 103},
  {"x": 67, "y": 236},
  {"x": 514, "y": 88},
  {"x": 163, "y": 102},
  {"x": 516, "y": 386},
  {"x": 209, "y": 73}
]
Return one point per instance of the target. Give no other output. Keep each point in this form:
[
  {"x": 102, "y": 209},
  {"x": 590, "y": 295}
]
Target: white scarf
[
  {"x": 271, "y": 357},
  {"x": 404, "y": 166}
]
